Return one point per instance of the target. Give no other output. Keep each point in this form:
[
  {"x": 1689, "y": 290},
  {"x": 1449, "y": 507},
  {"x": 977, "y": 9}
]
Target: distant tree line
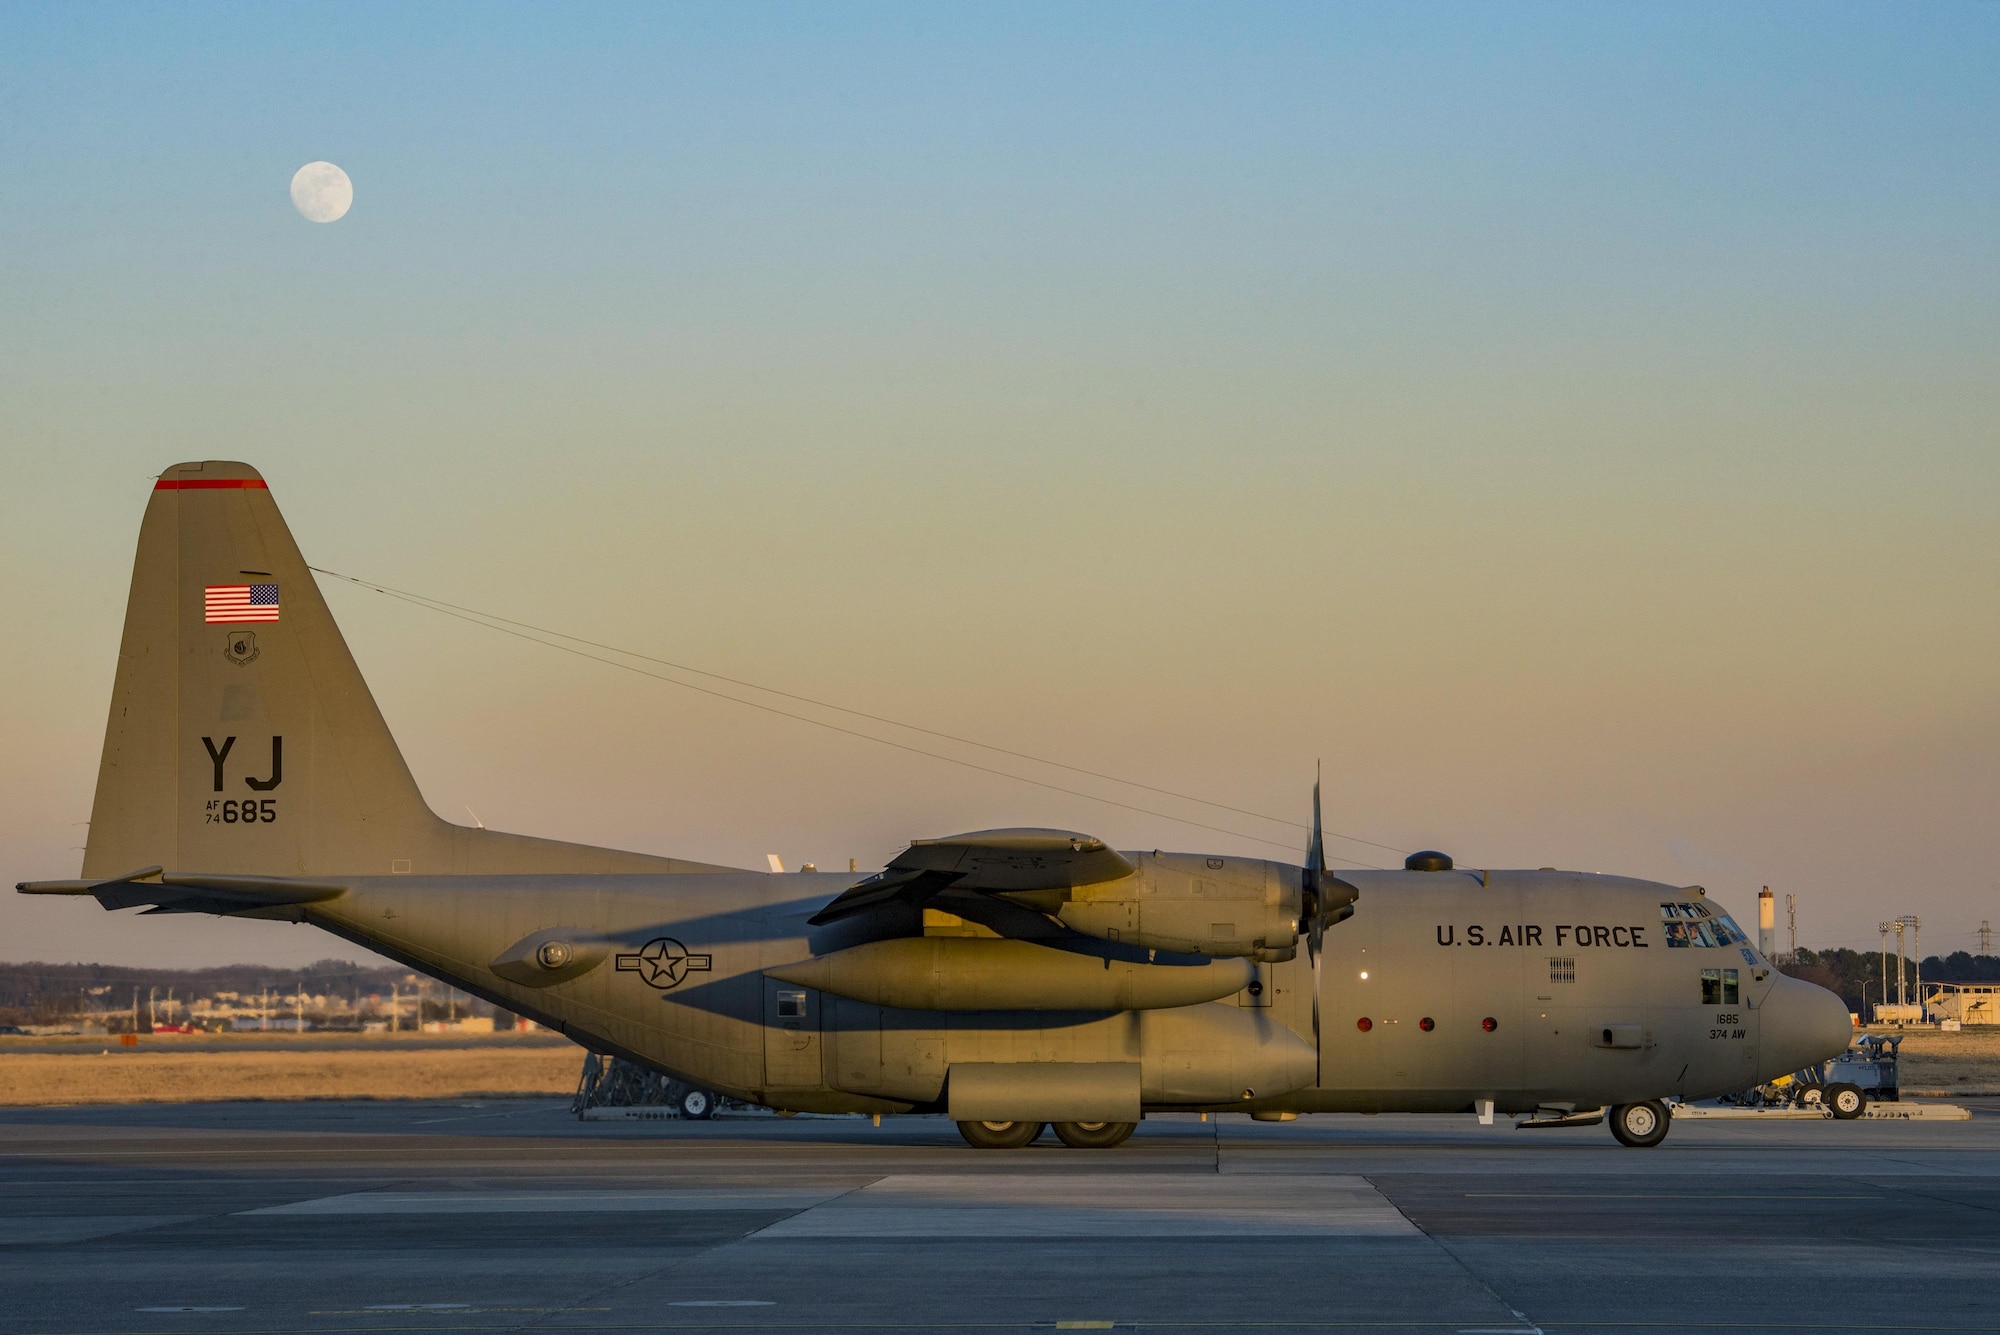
[
  {"x": 52, "y": 993},
  {"x": 1846, "y": 971}
]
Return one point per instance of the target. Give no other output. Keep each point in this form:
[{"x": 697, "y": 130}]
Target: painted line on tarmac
[
  {"x": 723, "y": 1302},
  {"x": 1654, "y": 1196},
  {"x": 756, "y": 1200},
  {"x": 453, "y": 1309}
]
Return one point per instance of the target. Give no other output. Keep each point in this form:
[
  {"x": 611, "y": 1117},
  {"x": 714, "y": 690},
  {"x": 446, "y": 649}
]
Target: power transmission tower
[{"x": 1985, "y": 937}]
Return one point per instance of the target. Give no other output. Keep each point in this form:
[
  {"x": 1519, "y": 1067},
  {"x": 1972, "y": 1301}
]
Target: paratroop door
[{"x": 791, "y": 1035}]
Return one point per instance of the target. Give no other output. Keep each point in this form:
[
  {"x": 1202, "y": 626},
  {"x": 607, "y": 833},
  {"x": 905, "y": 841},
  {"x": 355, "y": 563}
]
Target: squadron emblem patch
[
  {"x": 240, "y": 647},
  {"x": 663, "y": 963}
]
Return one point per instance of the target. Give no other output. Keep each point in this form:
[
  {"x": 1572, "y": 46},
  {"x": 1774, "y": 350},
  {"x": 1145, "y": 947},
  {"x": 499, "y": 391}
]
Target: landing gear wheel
[
  {"x": 1640, "y": 1125},
  {"x": 999, "y": 1135},
  {"x": 1094, "y": 1135},
  {"x": 697, "y": 1105},
  {"x": 1811, "y": 1097},
  {"x": 1847, "y": 1101}
]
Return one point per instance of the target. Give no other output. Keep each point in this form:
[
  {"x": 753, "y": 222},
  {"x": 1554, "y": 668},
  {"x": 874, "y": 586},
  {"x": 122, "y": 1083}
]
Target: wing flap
[
  {"x": 999, "y": 861},
  {"x": 986, "y": 862}
]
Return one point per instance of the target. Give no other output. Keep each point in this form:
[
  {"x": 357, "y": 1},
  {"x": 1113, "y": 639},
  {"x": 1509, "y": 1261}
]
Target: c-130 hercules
[{"x": 1007, "y": 978}]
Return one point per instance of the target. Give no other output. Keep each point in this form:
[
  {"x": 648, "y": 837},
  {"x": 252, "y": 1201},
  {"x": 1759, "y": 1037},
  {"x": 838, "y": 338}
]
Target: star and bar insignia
[{"x": 663, "y": 963}]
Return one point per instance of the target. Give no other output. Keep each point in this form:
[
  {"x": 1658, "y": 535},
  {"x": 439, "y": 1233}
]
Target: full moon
[{"x": 321, "y": 192}]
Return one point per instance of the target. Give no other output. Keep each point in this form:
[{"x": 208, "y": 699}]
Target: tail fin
[{"x": 242, "y": 738}]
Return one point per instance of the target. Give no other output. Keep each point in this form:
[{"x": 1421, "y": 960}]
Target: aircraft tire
[
  {"x": 696, "y": 1105},
  {"x": 1095, "y": 1135},
  {"x": 999, "y": 1135},
  {"x": 1847, "y": 1102},
  {"x": 1640, "y": 1125}
]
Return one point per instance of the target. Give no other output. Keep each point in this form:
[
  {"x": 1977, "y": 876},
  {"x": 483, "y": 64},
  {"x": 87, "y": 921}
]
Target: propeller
[
  {"x": 1324, "y": 900},
  {"x": 1312, "y": 921},
  {"x": 1312, "y": 916}
]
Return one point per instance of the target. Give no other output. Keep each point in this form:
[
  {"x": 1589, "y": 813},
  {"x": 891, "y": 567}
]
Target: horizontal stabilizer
[{"x": 185, "y": 892}]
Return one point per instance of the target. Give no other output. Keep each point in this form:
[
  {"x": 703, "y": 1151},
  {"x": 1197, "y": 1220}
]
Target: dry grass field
[
  {"x": 1967, "y": 1060},
  {"x": 153, "y": 1075}
]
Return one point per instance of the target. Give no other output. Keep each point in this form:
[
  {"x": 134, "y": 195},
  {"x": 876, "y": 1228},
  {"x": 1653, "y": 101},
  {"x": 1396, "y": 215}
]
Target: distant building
[{"x": 1967, "y": 1003}]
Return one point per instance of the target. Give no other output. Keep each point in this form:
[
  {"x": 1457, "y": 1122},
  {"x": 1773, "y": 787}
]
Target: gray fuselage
[{"x": 1529, "y": 989}]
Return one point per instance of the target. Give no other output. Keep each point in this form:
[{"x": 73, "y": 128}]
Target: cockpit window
[
  {"x": 1688, "y": 924},
  {"x": 1719, "y": 987}
]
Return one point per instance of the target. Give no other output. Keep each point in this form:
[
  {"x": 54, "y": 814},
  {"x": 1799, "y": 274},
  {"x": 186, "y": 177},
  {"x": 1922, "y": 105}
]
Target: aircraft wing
[
  {"x": 985, "y": 861},
  {"x": 180, "y": 892}
]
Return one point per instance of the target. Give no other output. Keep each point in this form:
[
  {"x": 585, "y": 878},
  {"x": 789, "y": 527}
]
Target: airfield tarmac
[{"x": 511, "y": 1215}]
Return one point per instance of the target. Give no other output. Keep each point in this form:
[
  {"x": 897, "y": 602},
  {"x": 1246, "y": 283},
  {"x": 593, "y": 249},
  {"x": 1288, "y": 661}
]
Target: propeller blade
[
  {"x": 1316, "y": 853},
  {"x": 1313, "y": 902},
  {"x": 1313, "y": 885}
]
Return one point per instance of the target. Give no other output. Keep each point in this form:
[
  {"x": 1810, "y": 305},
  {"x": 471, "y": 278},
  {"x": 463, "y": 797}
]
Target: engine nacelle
[{"x": 1192, "y": 904}]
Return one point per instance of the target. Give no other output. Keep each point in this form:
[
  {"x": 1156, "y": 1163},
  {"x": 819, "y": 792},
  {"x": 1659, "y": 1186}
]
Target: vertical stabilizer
[{"x": 242, "y": 738}]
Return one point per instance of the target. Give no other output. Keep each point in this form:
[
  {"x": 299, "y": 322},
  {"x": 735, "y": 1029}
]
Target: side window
[
  {"x": 1729, "y": 987},
  {"x": 1562, "y": 968},
  {"x": 1711, "y": 987},
  {"x": 791, "y": 1005}
]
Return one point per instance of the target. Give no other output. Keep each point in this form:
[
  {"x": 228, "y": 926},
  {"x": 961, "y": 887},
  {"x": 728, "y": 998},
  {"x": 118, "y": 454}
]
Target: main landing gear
[
  {"x": 1076, "y": 1135},
  {"x": 1640, "y": 1125},
  {"x": 1094, "y": 1135},
  {"x": 999, "y": 1135}
]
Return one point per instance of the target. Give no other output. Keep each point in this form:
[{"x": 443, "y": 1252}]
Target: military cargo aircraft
[{"x": 1009, "y": 979}]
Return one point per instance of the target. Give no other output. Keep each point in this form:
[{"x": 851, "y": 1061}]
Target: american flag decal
[{"x": 236, "y": 603}]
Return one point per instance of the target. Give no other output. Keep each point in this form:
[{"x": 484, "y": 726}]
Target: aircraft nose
[{"x": 1803, "y": 1023}]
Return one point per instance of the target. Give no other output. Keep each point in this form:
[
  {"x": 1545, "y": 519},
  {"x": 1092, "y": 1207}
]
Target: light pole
[{"x": 1917, "y": 952}]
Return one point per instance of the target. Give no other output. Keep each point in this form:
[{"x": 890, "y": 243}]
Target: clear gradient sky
[{"x": 1574, "y": 424}]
